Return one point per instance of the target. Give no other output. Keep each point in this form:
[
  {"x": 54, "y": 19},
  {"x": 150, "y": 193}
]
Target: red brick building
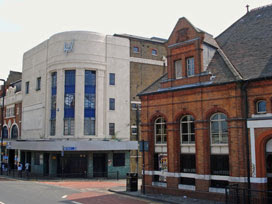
[
  {"x": 208, "y": 120},
  {"x": 12, "y": 116}
]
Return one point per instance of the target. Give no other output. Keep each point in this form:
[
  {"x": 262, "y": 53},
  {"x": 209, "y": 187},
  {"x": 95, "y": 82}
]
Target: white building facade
[{"x": 76, "y": 105}]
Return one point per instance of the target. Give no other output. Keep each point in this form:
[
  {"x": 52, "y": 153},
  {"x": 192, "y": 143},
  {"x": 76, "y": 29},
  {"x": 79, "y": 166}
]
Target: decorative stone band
[
  {"x": 206, "y": 177},
  {"x": 146, "y": 61}
]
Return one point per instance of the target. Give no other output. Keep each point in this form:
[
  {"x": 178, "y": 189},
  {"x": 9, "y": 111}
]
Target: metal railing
[{"x": 236, "y": 195}]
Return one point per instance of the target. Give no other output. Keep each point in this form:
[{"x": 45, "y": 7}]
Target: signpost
[
  {"x": 62, "y": 155},
  {"x": 144, "y": 147}
]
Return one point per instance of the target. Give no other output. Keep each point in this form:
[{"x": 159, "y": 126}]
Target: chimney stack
[{"x": 247, "y": 6}]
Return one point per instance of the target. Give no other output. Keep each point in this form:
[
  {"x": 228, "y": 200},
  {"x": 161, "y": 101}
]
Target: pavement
[
  {"x": 162, "y": 198},
  {"x": 94, "y": 191}
]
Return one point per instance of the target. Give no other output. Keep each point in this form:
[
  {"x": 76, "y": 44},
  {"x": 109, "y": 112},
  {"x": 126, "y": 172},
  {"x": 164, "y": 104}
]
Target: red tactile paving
[
  {"x": 85, "y": 184},
  {"x": 97, "y": 198},
  {"x": 94, "y": 197}
]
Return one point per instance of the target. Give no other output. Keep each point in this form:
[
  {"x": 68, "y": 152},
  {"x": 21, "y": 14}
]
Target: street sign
[
  {"x": 69, "y": 148},
  {"x": 144, "y": 146}
]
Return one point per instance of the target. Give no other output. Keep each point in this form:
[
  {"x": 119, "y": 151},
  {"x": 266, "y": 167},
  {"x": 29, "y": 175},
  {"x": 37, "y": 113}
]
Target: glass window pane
[
  {"x": 224, "y": 138},
  {"x": 164, "y": 129},
  {"x": 52, "y": 127},
  {"x": 215, "y": 138},
  {"x": 69, "y": 126},
  {"x": 178, "y": 68},
  {"x": 224, "y": 126},
  {"x": 215, "y": 127},
  {"x": 192, "y": 127},
  {"x": 158, "y": 139},
  {"x": 112, "y": 78},
  {"x": 185, "y": 139},
  {"x": 164, "y": 139},
  {"x": 192, "y": 138},
  {"x": 222, "y": 116},
  {"x": 89, "y": 126},
  {"x": 69, "y": 100},
  {"x": 261, "y": 107},
  {"x": 190, "y": 67},
  {"x": 214, "y": 117},
  {"x": 184, "y": 128}
]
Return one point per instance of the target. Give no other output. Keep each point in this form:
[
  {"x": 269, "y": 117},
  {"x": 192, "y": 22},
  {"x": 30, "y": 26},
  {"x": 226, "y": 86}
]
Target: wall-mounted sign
[
  {"x": 69, "y": 148},
  {"x": 144, "y": 146}
]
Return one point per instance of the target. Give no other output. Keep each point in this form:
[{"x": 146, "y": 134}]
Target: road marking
[
  {"x": 76, "y": 202},
  {"x": 65, "y": 196}
]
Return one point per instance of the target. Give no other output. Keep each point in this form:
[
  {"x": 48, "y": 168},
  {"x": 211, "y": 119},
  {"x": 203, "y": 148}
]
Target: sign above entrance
[{"x": 69, "y": 148}]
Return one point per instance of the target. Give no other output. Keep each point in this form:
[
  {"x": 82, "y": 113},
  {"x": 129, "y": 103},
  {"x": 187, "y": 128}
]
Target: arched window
[
  {"x": 261, "y": 106},
  {"x": 219, "y": 129},
  {"x": 160, "y": 131},
  {"x": 14, "y": 132},
  {"x": 187, "y": 130},
  {"x": 5, "y": 132}
]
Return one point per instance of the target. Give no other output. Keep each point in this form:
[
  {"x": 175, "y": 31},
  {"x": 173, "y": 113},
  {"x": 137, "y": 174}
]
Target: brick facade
[{"x": 219, "y": 88}]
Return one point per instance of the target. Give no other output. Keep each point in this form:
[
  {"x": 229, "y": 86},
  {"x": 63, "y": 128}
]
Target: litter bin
[{"x": 132, "y": 182}]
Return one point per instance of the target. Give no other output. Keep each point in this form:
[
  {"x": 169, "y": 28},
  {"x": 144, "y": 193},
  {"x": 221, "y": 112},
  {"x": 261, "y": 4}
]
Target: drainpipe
[{"x": 245, "y": 116}]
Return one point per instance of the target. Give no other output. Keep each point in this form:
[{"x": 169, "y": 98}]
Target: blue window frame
[
  {"x": 53, "y": 103},
  {"x": 89, "y": 102},
  {"x": 69, "y": 102},
  {"x": 112, "y": 78},
  {"x": 112, "y": 104}
]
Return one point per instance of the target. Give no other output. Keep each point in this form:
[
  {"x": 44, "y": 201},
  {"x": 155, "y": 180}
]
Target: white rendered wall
[{"x": 91, "y": 51}]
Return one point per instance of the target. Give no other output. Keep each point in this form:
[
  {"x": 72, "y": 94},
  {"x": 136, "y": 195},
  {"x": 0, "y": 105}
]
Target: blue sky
[{"x": 26, "y": 23}]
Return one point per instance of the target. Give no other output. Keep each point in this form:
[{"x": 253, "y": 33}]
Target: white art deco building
[{"x": 76, "y": 106}]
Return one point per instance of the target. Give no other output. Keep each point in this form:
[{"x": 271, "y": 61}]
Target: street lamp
[{"x": 2, "y": 122}]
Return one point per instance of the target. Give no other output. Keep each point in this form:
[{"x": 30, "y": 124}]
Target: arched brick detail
[
  {"x": 157, "y": 115},
  {"x": 179, "y": 115},
  {"x": 213, "y": 110},
  {"x": 260, "y": 149}
]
